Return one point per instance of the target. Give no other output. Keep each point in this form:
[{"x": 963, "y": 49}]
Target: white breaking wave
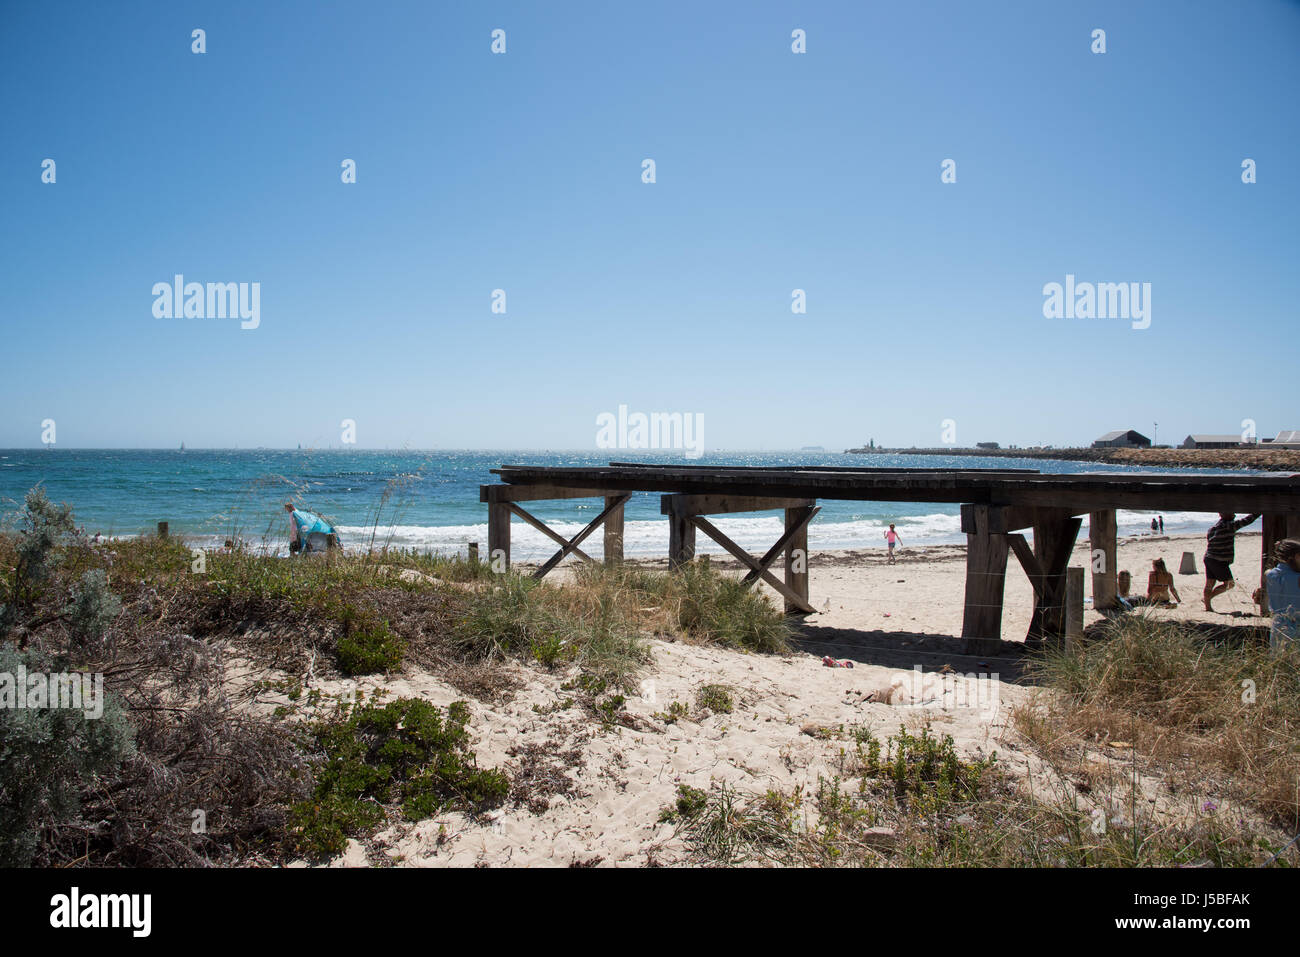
[{"x": 649, "y": 538}]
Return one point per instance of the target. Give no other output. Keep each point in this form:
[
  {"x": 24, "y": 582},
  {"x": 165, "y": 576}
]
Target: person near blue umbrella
[{"x": 308, "y": 532}]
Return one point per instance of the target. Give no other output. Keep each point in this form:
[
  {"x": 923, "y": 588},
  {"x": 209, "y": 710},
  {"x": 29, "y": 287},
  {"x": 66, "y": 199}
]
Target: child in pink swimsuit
[{"x": 892, "y": 538}]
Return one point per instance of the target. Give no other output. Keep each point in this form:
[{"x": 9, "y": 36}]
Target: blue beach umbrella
[{"x": 309, "y": 523}]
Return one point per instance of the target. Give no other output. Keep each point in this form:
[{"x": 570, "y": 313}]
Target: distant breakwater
[{"x": 1272, "y": 460}]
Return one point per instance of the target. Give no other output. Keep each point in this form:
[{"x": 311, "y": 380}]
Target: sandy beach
[
  {"x": 603, "y": 787},
  {"x": 916, "y": 603},
  {"x": 922, "y": 592}
]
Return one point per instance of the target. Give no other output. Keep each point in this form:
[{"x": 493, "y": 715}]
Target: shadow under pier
[{"x": 904, "y": 650}]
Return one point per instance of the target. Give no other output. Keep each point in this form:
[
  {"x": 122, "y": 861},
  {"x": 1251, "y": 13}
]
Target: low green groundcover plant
[
  {"x": 368, "y": 648},
  {"x": 406, "y": 754},
  {"x": 715, "y": 698}
]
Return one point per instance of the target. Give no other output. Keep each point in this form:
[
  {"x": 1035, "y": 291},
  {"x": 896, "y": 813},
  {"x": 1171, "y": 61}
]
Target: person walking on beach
[
  {"x": 1162, "y": 524},
  {"x": 1219, "y": 554},
  {"x": 308, "y": 532},
  {"x": 892, "y": 538},
  {"x": 1283, "y": 585},
  {"x": 1154, "y": 526},
  {"x": 1160, "y": 583}
]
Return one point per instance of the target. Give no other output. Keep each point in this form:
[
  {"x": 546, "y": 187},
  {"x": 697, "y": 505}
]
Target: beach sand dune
[{"x": 596, "y": 791}]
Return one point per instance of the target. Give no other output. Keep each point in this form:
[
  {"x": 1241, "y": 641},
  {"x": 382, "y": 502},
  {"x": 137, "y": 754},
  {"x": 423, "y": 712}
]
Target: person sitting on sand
[
  {"x": 308, "y": 532},
  {"x": 1123, "y": 583},
  {"x": 1283, "y": 584},
  {"x": 1160, "y": 584},
  {"x": 892, "y": 538},
  {"x": 1219, "y": 554}
]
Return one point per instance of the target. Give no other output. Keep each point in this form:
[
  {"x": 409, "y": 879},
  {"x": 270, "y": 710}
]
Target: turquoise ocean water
[{"x": 429, "y": 499}]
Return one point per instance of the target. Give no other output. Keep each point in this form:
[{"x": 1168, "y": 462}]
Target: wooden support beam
[
  {"x": 532, "y": 493},
  {"x": 1226, "y": 500},
  {"x": 1105, "y": 555},
  {"x": 796, "y": 557},
  {"x": 986, "y": 572},
  {"x": 1078, "y": 492},
  {"x": 790, "y": 532},
  {"x": 1029, "y": 562},
  {"x": 1004, "y": 519},
  {"x": 549, "y": 532},
  {"x": 1054, "y": 538},
  {"x": 681, "y": 539},
  {"x": 614, "y": 529},
  {"x": 725, "y": 504},
  {"x": 1045, "y": 564},
  {"x": 759, "y": 568},
  {"x": 1073, "y": 606},
  {"x": 499, "y": 536},
  {"x": 685, "y": 516},
  {"x": 614, "y": 502},
  {"x": 502, "y": 505}
]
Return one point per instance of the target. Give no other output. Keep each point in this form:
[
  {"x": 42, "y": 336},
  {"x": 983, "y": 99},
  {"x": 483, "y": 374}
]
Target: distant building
[
  {"x": 1125, "y": 439},
  {"x": 986, "y": 445},
  {"x": 1215, "y": 442},
  {"x": 1289, "y": 439}
]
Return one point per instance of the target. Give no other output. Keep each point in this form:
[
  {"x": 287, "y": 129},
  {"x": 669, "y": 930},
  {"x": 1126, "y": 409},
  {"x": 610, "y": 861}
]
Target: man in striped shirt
[{"x": 1219, "y": 553}]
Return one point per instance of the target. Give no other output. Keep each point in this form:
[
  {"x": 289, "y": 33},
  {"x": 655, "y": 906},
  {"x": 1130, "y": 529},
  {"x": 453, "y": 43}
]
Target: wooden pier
[{"x": 997, "y": 507}]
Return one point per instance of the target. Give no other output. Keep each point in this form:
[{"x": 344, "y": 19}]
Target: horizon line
[{"x": 502, "y": 448}]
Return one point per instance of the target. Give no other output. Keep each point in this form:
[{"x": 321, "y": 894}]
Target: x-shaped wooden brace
[
  {"x": 1029, "y": 561},
  {"x": 567, "y": 545},
  {"x": 758, "y": 567},
  {"x": 1038, "y": 575},
  {"x": 1046, "y": 579}
]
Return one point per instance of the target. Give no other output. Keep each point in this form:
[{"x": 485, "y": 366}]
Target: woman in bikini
[{"x": 1160, "y": 583}]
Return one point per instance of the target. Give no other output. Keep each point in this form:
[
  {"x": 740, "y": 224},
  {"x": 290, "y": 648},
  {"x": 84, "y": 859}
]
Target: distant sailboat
[{"x": 182, "y": 446}]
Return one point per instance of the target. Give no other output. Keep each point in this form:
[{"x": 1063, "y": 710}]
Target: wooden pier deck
[{"x": 997, "y": 506}]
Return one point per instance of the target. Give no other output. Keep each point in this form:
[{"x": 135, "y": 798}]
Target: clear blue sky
[{"x": 522, "y": 171}]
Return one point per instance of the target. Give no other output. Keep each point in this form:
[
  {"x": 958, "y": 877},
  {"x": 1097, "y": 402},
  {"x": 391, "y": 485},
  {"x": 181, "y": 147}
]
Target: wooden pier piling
[
  {"x": 1104, "y": 559},
  {"x": 1073, "y": 606},
  {"x": 613, "y": 531}
]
